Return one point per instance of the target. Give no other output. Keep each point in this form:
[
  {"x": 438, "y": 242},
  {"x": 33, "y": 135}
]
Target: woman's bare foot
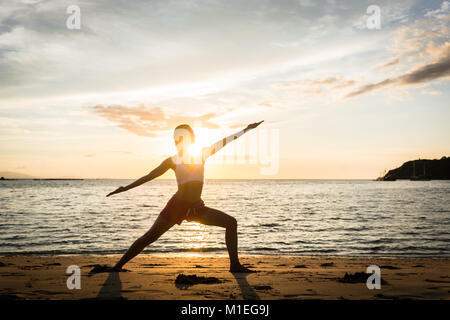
[
  {"x": 115, "y": 269},
  {"x": 98, "y": 268},
  {"x": 241, "y": 269}
]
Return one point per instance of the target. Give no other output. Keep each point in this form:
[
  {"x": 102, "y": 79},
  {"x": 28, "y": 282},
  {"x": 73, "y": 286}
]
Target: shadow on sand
[
  {"x": 248, "y": 293},
  {"x": 111, "y": 288}
]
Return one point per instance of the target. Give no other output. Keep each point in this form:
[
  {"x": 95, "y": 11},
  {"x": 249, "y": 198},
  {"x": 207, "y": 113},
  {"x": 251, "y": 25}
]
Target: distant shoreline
[
  {"x": 215, "y": 179},
  {"x": 5, "y": 179}
]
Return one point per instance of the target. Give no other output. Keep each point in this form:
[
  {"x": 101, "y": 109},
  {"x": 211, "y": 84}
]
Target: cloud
[
  {"x": 244, "y": 125},
  {"x": 150, "y": 122},
  {"x": 306, "y": 3},
  {"x": 91, "y": 155},
  {"x": 320, "y": 86},
  {"x": 434, "y": 92},
  {"x": 423, "y": 47},
  {"x": 167, "y": 44},
  {"x": 392, "y": 13},
  {"x": 388, "y": 64},
  {"x": 155, "y": 51},
  {"x": 428, "y": 72},
  {"x": 238, "y": 125},
  {"x": 332, "y": 81},
  {"x": 439, "y": 13},
  {"x": 270, "y": 105}
]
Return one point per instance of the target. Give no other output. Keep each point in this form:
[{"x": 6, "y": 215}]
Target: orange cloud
[
  {"x": 270, "y": 105},
  {"x": 149, "y": 122},
  {"x": 315, "y": 86},
  {"x": 434, "y": 92}
]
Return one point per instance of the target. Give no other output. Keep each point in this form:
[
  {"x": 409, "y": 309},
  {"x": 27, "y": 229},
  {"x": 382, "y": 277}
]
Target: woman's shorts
[{"x": 177, "y": 210}]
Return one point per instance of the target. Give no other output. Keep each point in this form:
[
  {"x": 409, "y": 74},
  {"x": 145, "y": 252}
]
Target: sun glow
[
  {"x": 201, "y": 141},
  {"x": 195, "y": 150},
  {"x": 202, "y": 136}
]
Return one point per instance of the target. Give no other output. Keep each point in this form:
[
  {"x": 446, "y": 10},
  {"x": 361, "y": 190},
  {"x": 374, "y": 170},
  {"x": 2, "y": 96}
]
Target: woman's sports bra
[{"x": 188, "y": 172}]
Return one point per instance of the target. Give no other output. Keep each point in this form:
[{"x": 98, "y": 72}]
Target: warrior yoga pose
[{"x": 186, "y": 203}]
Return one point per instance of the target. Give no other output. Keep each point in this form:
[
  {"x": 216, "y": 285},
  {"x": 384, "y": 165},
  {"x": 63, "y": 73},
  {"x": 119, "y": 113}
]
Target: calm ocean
[{"x": 303, "y": 217}]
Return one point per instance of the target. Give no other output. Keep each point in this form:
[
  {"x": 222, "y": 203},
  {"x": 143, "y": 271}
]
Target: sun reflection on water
[{"x": 196, "y": 236}]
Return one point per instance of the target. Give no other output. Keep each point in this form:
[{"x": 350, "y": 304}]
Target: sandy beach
[{"x": 278, "y": 277}]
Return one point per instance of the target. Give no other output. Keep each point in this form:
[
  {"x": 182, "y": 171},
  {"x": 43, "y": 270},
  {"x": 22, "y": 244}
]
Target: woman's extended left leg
[
  {"x": 214, "y": 217},
  {"x": 159, "y": 227}
]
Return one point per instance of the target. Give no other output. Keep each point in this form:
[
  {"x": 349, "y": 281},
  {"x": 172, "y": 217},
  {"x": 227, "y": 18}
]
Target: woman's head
[{"x": 183, "y": 135}]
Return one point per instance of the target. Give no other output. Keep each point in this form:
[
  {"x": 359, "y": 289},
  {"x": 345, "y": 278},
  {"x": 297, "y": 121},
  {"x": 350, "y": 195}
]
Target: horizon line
[{"x": 68, "y": 178}]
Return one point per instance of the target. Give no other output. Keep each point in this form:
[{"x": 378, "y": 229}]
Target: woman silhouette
[{"x": 186, "y": 203}]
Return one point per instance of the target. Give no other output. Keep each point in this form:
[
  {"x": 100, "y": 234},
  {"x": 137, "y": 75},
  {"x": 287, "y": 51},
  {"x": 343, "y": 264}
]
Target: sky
[{"x": 341, "y": 98}]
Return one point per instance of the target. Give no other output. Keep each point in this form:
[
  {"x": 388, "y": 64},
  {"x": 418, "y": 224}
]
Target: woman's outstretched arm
[
  {"x": 158, "y": 171},
  {"x": 212, "y": 149}
]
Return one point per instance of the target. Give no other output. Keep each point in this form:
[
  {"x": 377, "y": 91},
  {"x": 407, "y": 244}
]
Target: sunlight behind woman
[
  {"x": 195, "y": 150},
  {"x": 201, "y": 141}
]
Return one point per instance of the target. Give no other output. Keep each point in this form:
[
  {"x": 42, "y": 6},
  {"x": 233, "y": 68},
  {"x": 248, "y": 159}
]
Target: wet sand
[{"x": 278, "y": 277}]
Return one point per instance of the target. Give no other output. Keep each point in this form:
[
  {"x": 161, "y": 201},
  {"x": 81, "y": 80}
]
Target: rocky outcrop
[{"x": 421, "y": 169}]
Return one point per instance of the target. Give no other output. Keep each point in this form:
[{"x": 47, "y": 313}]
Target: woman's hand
[
  {"x": 118, "y": 190},
  {"x": 253, "y": 125}
]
